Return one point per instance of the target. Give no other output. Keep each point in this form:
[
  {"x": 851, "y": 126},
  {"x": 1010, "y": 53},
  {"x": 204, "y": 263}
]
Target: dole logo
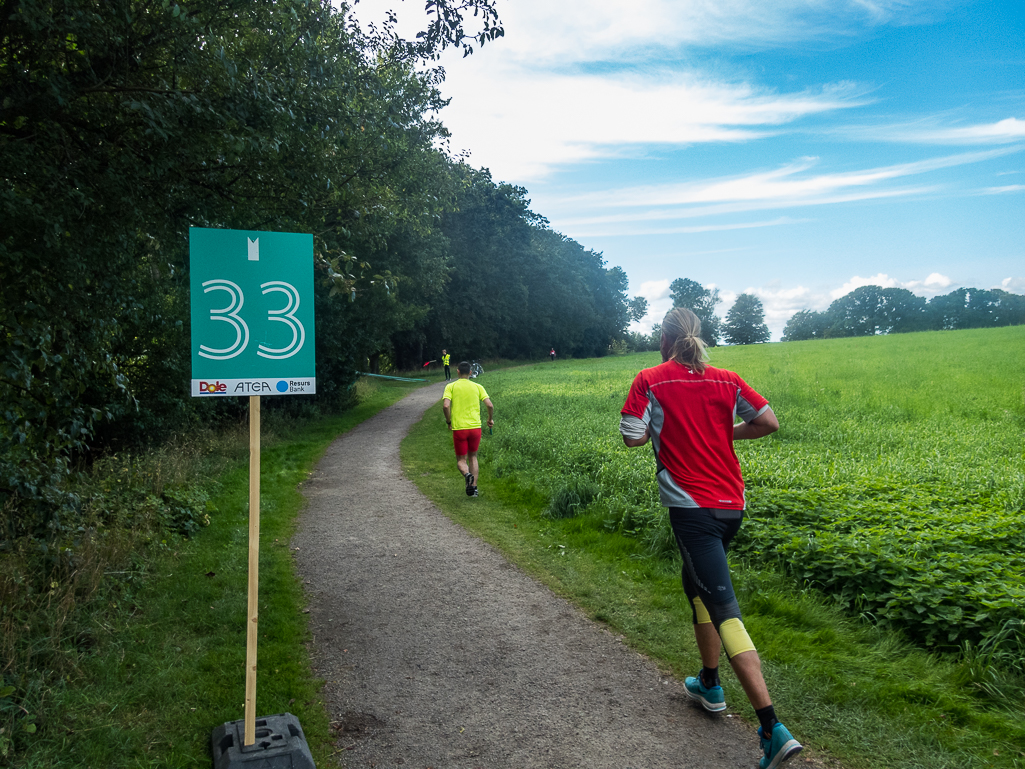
[{"x": 212, "y": 387}]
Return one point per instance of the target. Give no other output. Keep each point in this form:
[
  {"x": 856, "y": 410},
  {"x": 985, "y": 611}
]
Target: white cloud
[
  {"x": 573, "y": 83},
  {"x": 787, "y": 183},
  {"x": 882, "y": 280},
  {"x": 1003, "y": 190},
  {"x": 547, "y": 33},
  {"x": 934, "y": 284},
  {"x": 659, "y": 303},
  {"x": 599, "y": 229},
  {"x": 779, "y": 303},
  {"x": 524, "y": 124},
  {"x": 653, "y": 290},
  {"x": 599, "y": 28},
  {"x": 620, "y": 211},
  {"x": 1014, "y": 285},
  {"x": 928, "y": 131}
]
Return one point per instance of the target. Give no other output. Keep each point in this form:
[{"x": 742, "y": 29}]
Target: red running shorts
[{"x": 466, "y": 441}]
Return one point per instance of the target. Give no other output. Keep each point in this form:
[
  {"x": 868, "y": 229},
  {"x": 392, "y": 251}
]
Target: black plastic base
[{"x": 280, "y": 744}]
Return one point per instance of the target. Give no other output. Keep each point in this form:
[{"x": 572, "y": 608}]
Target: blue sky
[{"x": 793, "y": 149}]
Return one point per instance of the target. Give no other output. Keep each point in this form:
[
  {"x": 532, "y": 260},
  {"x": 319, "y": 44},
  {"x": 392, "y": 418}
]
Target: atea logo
[{"x": 213, "y": 387}]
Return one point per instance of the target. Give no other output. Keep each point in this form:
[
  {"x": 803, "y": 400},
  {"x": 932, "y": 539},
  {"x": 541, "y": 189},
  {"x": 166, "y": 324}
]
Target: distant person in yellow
[
  {"x": 461, "y": 404},
  {"x": 445, "y": 360}
]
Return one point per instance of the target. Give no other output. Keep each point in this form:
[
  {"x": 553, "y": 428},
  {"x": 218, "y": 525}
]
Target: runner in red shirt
[{"x": 688, "y": 410}]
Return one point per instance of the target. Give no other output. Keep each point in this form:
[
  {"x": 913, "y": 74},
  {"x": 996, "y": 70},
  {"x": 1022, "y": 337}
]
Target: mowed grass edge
[
  {"x": 853, "y": 692},
  {"x": 168, "y": 662}
]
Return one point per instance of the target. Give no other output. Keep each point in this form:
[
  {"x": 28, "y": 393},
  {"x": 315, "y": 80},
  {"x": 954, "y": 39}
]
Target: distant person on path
[
  {"x": 687, "y": 409},
  {"x": 461, "y": 404},
  {"x": 445, "y": 360},
  {"x": 552, "y": 355}
]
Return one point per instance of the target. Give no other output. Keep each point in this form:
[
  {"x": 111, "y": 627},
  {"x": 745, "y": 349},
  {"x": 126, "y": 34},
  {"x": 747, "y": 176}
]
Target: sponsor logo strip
[{"x": 202, "y": 388}]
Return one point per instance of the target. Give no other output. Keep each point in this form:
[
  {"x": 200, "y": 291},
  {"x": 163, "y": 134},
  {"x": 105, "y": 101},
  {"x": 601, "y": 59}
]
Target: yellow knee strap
[
  {"x": 701, "y": 612},
  {"x": 734, "y": 637}
]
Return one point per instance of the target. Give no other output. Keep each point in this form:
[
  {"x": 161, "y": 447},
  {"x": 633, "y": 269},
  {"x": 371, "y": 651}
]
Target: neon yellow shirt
[
  {"x": 445, "y": 359},
  {"x": 465, "y": 397}
]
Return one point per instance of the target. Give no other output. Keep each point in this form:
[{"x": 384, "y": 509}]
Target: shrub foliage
[{"x": 124, "y": 123}]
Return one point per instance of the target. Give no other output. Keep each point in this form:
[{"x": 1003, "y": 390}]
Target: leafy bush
[
  {"x": 185, "y": 510},
  {"x": 53, "y": 589},
  {"x": 944, "y": 569}
]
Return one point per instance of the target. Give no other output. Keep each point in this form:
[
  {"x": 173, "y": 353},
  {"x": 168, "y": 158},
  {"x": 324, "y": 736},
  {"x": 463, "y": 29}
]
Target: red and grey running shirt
[{"x": 690, "y": 420}]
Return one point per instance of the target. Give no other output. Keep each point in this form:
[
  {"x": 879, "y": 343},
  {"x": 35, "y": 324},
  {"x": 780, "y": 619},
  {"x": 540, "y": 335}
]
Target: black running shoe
[
  {"x": 475, "y": 494},
  {"x": 469, "y": 484}
]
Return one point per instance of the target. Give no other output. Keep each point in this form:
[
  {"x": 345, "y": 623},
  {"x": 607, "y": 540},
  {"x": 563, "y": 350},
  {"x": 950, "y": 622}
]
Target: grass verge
[
  {"x": 850, "y": 691},
  {"x": 159, "y": 652}
]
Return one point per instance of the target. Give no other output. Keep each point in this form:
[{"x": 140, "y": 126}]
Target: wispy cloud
[
  {"x": 524, "y": 125},
  {"x": 544, "y": 32},
  {"x": 597, "y": 230},
  {"x": 787, "y": 187},
  {"x": 786, "y": 183},
  {"x": 1003, "y": 190},
  {"x": 571, "y": 85},
  {"x": 929, "y": 131}
]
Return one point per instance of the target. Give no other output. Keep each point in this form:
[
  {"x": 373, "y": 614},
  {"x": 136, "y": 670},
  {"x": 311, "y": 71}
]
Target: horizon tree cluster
[{"x": 870, "y": 310}]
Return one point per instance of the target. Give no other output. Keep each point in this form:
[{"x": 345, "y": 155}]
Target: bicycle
[{"x": 476, "y": 369}]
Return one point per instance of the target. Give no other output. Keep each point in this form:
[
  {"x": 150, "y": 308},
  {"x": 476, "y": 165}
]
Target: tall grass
[
  {"x": 123, "y": 644},
  {"x": 895, "y": 484}
]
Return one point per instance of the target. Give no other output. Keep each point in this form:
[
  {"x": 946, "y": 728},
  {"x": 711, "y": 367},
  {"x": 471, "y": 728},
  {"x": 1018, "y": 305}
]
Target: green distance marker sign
[{"x": 252, "y": 313}]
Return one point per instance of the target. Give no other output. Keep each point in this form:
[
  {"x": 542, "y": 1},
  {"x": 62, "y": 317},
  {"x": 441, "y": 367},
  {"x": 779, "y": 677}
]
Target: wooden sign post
[{"x": 253, "y": 614}]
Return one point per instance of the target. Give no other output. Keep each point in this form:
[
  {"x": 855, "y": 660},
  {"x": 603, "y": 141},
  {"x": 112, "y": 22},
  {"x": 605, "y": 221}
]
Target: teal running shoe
[
  {"x": 713, "y": 700},
  {"x": 778, "y": 748}
]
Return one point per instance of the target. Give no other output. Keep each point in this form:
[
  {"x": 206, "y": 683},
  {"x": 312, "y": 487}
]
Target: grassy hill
[{"x": 881, "y": 566}]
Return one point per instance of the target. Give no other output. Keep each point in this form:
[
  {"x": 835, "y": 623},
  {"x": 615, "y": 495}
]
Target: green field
[
  {"x": 884, "y": 536},
  {"x": 896, "y": 482}
]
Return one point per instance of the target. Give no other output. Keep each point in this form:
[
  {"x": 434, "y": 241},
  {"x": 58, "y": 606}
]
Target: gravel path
[{"x": 439, "y": 653}]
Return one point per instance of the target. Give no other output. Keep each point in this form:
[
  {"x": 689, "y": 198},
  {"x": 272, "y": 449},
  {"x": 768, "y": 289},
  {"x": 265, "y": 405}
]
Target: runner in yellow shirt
[{"x": 461, "y": 404}]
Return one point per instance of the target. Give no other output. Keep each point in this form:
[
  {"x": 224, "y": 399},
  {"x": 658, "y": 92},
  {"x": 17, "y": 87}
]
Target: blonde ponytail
[{"x": 682, "y": 330}]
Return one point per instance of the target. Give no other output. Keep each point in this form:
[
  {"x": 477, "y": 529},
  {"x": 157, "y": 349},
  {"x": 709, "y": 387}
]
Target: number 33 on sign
[{"x": 252, "y": 313}]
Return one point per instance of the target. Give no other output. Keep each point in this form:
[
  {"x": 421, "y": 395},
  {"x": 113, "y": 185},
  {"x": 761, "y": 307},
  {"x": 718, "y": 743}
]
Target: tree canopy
[
  {"x": 124, "y": 123},
  {"x": 701, "y": 301},
  {"x": 745, "y": 322}
]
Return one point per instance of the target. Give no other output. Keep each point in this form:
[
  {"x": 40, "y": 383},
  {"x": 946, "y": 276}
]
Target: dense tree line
[
  {"x": 515, "y": 287},
  {"x": 870, "y": 310},
  {"x": 124, "y": 123}
]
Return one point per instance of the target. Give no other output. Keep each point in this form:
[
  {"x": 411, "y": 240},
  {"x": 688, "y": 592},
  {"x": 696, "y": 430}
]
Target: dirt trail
[{"x": 440, "y": 653}]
